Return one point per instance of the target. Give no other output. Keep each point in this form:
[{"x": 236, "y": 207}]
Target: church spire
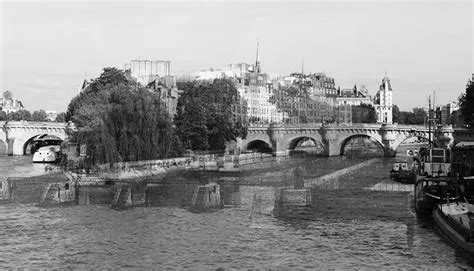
[{"x": 257, "y": 60}]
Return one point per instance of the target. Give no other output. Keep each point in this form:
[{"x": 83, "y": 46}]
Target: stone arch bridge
[
  {"x": 333, "y": 138},
  {"x": 15, "y": 136}
]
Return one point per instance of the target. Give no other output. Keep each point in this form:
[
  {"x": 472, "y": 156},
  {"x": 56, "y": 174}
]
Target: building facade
[
  {"x": 354, "y": 97},
  {"x": 444, "y": 113},
  {"x": 383, "y": 102},
  {"x": 167, "y": 90},
  {"x": 8, "y": 104},
  {"x": 145, "y": 70}
]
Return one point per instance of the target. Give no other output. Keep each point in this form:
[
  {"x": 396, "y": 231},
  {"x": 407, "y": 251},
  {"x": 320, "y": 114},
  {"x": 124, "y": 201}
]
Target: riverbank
[{"x": 60, "y": 187}]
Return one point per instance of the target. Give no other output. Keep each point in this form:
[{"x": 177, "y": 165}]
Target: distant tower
[
  {"x": 257, "y": 60},
  {"x": 384, "y": 102}
]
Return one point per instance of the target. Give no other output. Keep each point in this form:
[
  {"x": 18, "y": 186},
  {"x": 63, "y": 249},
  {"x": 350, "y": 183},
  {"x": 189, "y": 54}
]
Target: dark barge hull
[
  {"x": 452, "y": 234},
  {"x": 424, "y": 206}
]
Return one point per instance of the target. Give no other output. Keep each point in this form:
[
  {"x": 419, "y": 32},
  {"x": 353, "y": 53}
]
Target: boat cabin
[{"x": 434, "y": 162}]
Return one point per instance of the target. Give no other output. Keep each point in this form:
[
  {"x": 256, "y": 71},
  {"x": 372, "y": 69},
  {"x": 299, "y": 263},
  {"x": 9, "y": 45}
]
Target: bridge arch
[
  {"x": 259, "y": 145},
  {"x": 27, "y": 144},
  {"x": 307, "y": 144},
  {"x": 358, "y": 143},
  {"x": 421, "y": 137},
  {"x": 18, "y": 133}
]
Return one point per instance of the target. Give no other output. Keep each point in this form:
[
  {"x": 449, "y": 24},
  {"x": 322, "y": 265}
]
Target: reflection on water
[
  {"x": 348, "y": 227},
  {"x": 21, "y": 166}
]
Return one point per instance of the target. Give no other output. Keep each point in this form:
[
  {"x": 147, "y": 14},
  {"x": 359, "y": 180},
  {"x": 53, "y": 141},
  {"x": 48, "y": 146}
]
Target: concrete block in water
[
  {"x": 122, "y": 197},
  {"x": 59, "y": 193},
  {"x": 207, "y": 197},
  {"x": 293, "y": 197},
  {"x": 4, "y": 190},
  {"x": 91, "y": 195}
]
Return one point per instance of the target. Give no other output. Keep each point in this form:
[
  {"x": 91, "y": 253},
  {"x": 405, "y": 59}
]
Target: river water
[{"x": 347, "y": 226}]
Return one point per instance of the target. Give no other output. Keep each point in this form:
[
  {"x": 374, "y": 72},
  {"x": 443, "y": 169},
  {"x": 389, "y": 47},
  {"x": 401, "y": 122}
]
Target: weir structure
[{"x": 333, "y": 138}]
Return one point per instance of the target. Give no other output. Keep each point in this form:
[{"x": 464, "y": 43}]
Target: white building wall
[
  {"x": 257, "y": 98},
  {"x": 143, "y": 70},
  {"x": 384, "y": 109}
]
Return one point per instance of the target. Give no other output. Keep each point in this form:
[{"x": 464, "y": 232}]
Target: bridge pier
[
  {"x": 17, "y": 146},
  {"x": 279, "y": 147},
  {"x": 10, "y": 144},
  {"x": 331, "y": 143},
  {"x": 389, "y": 135}
]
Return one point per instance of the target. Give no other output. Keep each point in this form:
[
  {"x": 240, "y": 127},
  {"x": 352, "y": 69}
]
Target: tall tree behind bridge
[
  {"x": 39, "y": 115},
  {"x": 204, "y": 118},
  {"x": 118, "y": 120},
  {"x": 364, "y": 113},
  {"x": 396, "y": 117},
  {"x": 466, "y": 104}
]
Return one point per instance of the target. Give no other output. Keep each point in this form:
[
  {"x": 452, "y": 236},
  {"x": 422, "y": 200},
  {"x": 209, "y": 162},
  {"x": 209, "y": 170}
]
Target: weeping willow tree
[{"x": 119, "y": 120}]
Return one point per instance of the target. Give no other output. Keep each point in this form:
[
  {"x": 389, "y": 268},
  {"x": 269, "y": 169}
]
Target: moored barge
[{"x": 456, "y": 221}]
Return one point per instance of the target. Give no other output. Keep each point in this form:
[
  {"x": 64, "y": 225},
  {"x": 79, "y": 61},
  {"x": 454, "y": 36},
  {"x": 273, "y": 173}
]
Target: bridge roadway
[{"x": 15, "y": 136}]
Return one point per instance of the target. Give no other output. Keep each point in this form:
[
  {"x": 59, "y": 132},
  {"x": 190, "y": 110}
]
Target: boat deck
[
  {"x": 459, "y": 212},
  {"x": 453, "y": 220}
]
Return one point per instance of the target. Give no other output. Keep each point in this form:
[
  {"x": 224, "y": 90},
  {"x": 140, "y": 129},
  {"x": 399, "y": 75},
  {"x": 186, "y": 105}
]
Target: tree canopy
[
  {"x": 23, "y": 114},
  {"x": 466, "y": 104},
  {"x": 204, "y": 118},
  {"x": 417, "y": 117},
  {"x": 396, "y": 117},
  {"x": 364, "y": 113},
  {"x": 119, "y": 120},
  {"x": 61, "y": 117},
  {"x": 39, "y": 115}
]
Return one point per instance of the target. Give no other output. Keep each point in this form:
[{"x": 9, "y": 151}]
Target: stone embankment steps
[{"x": 328, "y": 178}]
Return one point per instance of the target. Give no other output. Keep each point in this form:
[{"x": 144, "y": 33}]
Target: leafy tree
[
  {"x": 21, "y": 114},
  {"x": 455, "y": 119},
  {"x": 119, "y": 120},
  {"x": 39, "y": 115},
  {"x": 396, "y": 117},
  {"x": 364, "y": 113},
  {"x": 419, "y": 116},
  {"x": 204, "y": 115},
  {"x": 466, "y": 104},
  {"x": 61, "y": 117}
]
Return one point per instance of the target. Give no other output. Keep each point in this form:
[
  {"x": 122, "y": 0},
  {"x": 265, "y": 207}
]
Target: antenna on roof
[{"x": 302, "y": 65}]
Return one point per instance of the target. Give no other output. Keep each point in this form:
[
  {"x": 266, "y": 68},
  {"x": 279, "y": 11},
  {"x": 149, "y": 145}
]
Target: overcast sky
[{"x": 48, "y": 48}]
